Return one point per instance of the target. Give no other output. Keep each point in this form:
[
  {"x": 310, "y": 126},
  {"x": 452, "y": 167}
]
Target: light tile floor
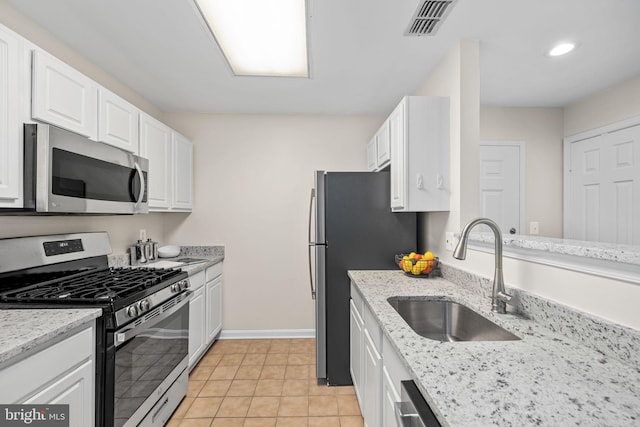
[{"x": 263, "y": 383}]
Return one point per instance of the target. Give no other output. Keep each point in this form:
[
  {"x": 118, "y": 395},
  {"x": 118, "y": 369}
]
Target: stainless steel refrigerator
[{"x": 351, "y": 227}]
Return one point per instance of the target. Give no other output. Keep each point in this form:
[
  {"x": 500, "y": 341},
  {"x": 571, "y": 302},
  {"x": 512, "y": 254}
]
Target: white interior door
[
  {"x": 501, "y": 185},
  {"x": 605, "y": 188}
]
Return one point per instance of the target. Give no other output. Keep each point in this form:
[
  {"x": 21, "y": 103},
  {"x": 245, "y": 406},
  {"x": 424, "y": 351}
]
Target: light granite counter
[
  {"x": 24, "y": 330},
  {"x": 210, "y": 255},
  {"x": 544, "y": 379},
  {"x": 625, "y": 254}
]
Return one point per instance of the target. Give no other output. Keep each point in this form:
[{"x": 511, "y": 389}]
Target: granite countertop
[
  {"x": 626, "y": 254},
  {"x": 206, "y": 257},
  {"x": 544, "y": 379},
  {"x": 24, "y": 330}
]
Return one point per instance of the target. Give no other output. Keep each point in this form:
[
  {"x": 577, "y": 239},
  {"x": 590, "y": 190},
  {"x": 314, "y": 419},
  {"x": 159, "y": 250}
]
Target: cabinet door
[
  {"x": 182, "y": 173},
  {"x": 390, "y": 397},
  {"x": 383, "y": 151},
  {"x": 63, "y": 96},
  {"x": 10, "y": 123},
  {"x": 355, "y": 362},
  {"x": 117, "y": 121},
  {"x": 155, "y": 145},
  {"x": 372, "y": 383},
  {"x": 397, "y": 140},
  {"x": 196, "y": 326},
  {"x": 74, "y": 389},
  {"x": 214, "y": 309},
  {"x": 372, "y": 155}
]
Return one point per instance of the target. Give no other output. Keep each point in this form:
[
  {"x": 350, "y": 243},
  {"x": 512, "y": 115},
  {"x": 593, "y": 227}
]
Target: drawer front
[
  {"x": 214, "y": 271},
  {"x": 197, "y": 281},
  {"x": 37, "y": 371}
]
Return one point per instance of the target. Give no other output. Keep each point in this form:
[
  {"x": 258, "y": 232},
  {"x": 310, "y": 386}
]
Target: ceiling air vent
[{"x": 429, "y": 17}]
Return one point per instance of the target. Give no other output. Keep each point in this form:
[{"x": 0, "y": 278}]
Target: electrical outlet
[
  {"x": 450, "y": 243},
  {"x": 143, "y": 234},
  {"x": 534, "y": 227}
]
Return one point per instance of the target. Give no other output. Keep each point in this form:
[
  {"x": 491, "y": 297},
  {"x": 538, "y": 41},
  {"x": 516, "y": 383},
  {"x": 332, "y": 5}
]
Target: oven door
[
  {"x": 75, "y": 175},
  {"x": 150, "y": 354}
]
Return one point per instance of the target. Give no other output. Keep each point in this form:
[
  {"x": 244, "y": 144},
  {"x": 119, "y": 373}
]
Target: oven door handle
[{"x": 125, "y": 334}]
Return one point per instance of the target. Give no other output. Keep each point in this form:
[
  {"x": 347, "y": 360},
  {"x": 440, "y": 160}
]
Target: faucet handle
[{"x": 503, "y": 296}]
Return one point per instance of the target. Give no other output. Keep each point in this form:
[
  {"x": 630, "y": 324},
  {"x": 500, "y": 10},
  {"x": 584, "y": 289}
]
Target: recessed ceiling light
[
  {"x": 260, "y": 37},
  {"x": 561, "y": 49}
]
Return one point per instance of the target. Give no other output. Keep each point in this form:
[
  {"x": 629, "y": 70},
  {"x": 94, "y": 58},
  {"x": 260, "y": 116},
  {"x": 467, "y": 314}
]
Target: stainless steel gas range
[{"x": 142, "y": 336}]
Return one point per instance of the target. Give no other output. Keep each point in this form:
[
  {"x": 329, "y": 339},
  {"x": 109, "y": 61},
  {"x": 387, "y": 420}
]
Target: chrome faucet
[{"x": 499, "y": 297}]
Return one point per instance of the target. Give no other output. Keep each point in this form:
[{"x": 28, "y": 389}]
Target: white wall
[
  {"x": 123, "y": 230},
  {"x": 457, "y": 76},
  {"x": 542, "y": 130},
  {"x": 253, "y": 177},
  {"x": 611, "y": 105}
]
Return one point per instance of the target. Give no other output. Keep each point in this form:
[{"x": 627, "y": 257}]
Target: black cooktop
[{"x": 86, "y": 286}]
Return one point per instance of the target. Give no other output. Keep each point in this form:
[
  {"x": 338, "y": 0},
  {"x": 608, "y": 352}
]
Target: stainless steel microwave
[{"x": 67, "y": 173}]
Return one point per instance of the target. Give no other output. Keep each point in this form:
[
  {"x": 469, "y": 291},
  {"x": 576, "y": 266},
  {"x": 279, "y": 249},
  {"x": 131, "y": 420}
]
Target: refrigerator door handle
[{"x": 313, "y": 196}]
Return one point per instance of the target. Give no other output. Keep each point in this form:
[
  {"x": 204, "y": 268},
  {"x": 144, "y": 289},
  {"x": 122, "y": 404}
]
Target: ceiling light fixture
[
  {"x": 561, "y": 49},
  {"x": 260, "y": 37}
]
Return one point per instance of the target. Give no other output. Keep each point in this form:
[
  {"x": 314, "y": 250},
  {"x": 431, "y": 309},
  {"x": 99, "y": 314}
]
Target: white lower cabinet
[
  {"x": 196, "y": 318},
  {"x": 60, "y": 374},
  {"x": 356, "y": 343},
  {"x": 205, "y": 311},
  {"x": 390, "y": 396},
  {"x": 371, "y": 382},
  {"x": 214, "y": 308},
  {"x": 376, "y": 367}
]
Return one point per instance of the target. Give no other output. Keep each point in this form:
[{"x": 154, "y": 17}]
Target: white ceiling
[{"x": 360, "y": 61}]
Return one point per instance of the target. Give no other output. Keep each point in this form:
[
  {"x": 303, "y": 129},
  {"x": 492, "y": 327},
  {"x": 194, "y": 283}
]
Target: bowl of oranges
[{"x": 419, "y": 265}]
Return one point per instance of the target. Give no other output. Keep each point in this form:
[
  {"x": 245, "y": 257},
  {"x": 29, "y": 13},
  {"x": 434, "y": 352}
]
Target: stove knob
[
  {"x": 144, "y": 305},
  {"x": 175, "y": 288},
  {"x": 132, "y": 311},
  {"x": 186, "y": 284}
]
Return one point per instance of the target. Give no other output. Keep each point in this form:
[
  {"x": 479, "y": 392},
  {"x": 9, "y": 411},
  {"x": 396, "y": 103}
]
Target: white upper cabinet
[
  {"x": 117, "y": 121},
  {"x": 182, "y": 172},
  {"x": 10, "y": 121},
  {"x": 383, "y": 151},
  {"x": 63, "y": 96},
  {"x": 155, "y": 145},
  {"x": 419, "y": 139},
  {"x": 170, "y": 158},
  {"x": 372, "y": 155},
  {"x": 378, "y": 149}
]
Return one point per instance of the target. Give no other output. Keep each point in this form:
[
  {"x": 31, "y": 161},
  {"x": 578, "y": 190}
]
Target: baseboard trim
[{"x": 243, "y": 334}]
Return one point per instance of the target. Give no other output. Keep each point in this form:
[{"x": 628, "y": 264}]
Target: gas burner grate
[{"x": 103, "y": 286}]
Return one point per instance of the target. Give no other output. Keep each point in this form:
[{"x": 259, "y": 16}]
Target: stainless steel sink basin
[{"x": 448, "y": 321}]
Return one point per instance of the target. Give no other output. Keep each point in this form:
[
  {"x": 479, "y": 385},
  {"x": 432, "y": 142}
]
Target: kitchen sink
[{"x": 447, "y": 321}]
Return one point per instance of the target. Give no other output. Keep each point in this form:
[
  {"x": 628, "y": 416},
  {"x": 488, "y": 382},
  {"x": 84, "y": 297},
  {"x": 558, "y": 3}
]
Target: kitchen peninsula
[{"x": 546, "y": 378}]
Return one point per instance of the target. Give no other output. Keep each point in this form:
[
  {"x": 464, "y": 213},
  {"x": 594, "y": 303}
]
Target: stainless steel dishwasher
[{"x": 413, "y": 410}]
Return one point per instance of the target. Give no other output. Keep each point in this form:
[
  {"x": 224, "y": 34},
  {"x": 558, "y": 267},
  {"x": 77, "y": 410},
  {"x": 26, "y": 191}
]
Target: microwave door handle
[{"x": 142, "y": 183}]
